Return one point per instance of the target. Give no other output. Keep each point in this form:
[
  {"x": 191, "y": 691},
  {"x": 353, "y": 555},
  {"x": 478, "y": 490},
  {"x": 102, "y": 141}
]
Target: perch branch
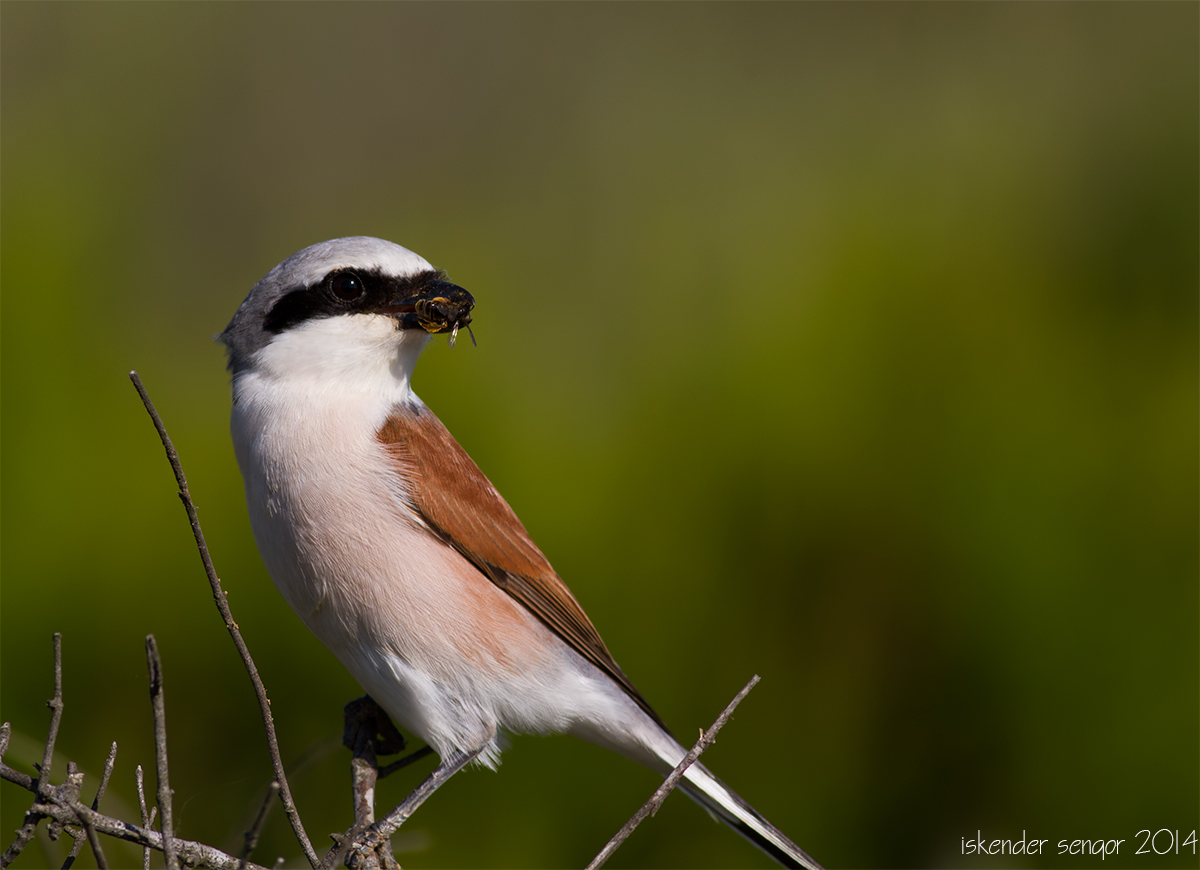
[
  {"x": 264, "y": 704},
  {"x": 650, "y": 807},
  {"x": 367, "y": 727},
  {"x": 379, "y": 832}
]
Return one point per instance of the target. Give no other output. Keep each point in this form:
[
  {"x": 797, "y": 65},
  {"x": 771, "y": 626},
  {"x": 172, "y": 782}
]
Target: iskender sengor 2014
[{"x": 978, "y": 845}]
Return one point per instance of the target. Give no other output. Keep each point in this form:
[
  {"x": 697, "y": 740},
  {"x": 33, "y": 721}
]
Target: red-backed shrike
[{"x": 392, "y": 546}]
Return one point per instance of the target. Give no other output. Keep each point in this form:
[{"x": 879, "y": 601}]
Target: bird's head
[{"x": 343, "y": 302}]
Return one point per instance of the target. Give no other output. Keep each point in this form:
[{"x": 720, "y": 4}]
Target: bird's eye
[{"x": 346, "y": 286}]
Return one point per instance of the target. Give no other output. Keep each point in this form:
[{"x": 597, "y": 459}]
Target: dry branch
[
  {"x": 264, "y": 704},
  {"x": 56, "y": 710},
  {"x": 166, "y": 814},
  {"x": 108, "y": 769},
  {"x": 60, "y": 804},
  {"x": 650, "y": 807},
  {"x": 147, "y": 817},
  {"x": 87, "y": 818},
  {"x": 255, "y": 831},
  {"x": 368, "y": 731}
]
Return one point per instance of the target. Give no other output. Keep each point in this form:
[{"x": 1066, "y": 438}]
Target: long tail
[{"x": 716, "y": 797}]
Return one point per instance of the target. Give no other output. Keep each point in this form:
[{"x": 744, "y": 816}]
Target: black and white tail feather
[{"x": 725, "y": 805}]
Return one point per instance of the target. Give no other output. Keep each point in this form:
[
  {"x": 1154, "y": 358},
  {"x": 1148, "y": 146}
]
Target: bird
[{"x": 392, "y": 546}]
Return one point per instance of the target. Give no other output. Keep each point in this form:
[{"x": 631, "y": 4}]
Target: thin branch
[
  {"x": 61, "y": 804},
  {"x": 24, "y": 780},
  {"x": 651, "y": 806},
  {"x": 147, "y": 817},
  {"x": 63, "y": 808},
  {"x": 104, "y": 778},
  {"x": 87, "y": 818},
  {"x": 47, "y": 843},
  {"x": 108, "y": 769},
  {"x": 264, "y": 705},
  {"x": 255, "y": 831},
  {"x": 41, "y": 786},
  {"x": 24, "y": 835},
  {"x": 56, "y": 710},
  {"x": 165, "y": 813},
  {"x": 190, "y": 853}
]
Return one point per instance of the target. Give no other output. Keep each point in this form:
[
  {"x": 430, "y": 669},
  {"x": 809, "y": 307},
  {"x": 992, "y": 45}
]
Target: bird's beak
[{"x": 441, "y": 307}]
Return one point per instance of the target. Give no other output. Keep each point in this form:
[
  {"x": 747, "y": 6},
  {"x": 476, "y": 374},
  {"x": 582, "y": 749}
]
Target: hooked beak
[{"x": 440, "y": 307}]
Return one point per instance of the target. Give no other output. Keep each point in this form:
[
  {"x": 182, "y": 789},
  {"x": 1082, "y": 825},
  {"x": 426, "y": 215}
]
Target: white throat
[{"x": 364, "y": 355}]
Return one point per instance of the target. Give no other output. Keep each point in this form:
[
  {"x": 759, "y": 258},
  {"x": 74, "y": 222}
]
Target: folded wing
[{"x": 461, "y": 507}]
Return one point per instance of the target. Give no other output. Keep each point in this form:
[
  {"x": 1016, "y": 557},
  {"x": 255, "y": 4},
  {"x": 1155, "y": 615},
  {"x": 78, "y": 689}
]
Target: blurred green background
[{"x": 850, "y": 345}]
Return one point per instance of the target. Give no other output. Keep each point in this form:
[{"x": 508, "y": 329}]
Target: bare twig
[
  {"x": 41, "y": 786},
  {"x": 24, "y": 835},
  {"x": 264, "y": 705},
  {"x": 651, "y": 806},
  {"x": 56, "y": 709},
  {"x": 61, "y": 804},
  {"x": 24, "y": 780},
  {"x": 189, "y": 853},
  {"x": 63, "y": 808},
  {"x": 104, "y": 778},
  {"x": 47, "y": 844},
  {"x": 255, "y": 831},
  {"x": 108, "y": 769},
  {"x": 147, "y": 817},
  {"x": 87, "y": 819},
  {"x": 165, "y": 813}
]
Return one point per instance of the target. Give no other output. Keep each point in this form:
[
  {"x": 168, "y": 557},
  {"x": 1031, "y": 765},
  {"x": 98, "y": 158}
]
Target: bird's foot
[{"x": 366, "y": 721}]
